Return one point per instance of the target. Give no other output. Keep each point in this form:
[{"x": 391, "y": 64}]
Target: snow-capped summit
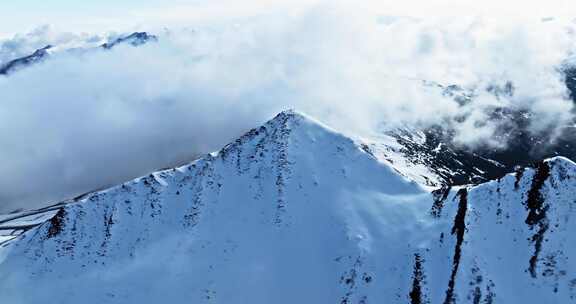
[
  {"x": 134, "y": 39},
  {"x": 293, "y": 212},
  {"x": 14, "y": 65}
]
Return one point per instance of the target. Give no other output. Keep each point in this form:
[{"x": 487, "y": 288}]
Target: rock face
[
  {"x": 452, "y": 164},
  {"x": 293, "y": 212}
]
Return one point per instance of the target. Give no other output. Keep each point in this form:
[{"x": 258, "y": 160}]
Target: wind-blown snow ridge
[{"x": 294, "y": 212}]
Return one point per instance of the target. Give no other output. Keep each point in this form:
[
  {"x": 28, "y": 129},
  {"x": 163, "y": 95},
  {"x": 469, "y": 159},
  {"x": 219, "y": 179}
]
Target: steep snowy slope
[
  {"x": 282, "y": 215},
  {"x": 514, "y": 236},
  {"x": 294, "y": 213}
]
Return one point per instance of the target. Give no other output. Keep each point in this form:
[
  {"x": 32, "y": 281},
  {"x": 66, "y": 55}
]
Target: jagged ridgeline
[
  {"x": 134, "y": 39},
  {"x": 434, "y": 147},
  {"x": 293, "y": 212}
]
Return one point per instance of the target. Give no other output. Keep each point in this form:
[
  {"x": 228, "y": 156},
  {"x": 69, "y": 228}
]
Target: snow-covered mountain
[
  {"x": 134, "y": 39},
  {"x": 18, "y": 63},
  {"x": 39, "y": 55},
  {"x": 293, "y": 212}
]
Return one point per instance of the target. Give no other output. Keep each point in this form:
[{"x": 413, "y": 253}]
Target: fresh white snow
[{"x": 293, "y": 212}]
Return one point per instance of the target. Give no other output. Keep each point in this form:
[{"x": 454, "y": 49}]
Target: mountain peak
[
  {"x": 560, "y": 160},
  {"x": 284, "y": 118},
  {"x": 285, "y": 126},
  {"x": 292, "y": 117},
  {"x": 37, "y": 56},
  {"x": 134, "y": 39},
  {"x": 227, "y": 225}
]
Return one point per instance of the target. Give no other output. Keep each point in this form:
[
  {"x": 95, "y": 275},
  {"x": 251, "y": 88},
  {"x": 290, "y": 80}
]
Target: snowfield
[{"x": 293, "y": 212}]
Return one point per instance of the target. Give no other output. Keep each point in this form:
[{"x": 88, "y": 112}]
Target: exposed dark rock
[
  {"x": 536, "y": 218},
  {"x": 518, "y": 176},
  {"x": 460, "y": 165},
  {"x": 476, "y": 284},
  {"x": 416, "y": 294},
  {"x": 440, "y": 195},
  {"x": 56, "y": 223},
  {"x": 459, "y": 230},
  {"x": 570, "y": 79}
]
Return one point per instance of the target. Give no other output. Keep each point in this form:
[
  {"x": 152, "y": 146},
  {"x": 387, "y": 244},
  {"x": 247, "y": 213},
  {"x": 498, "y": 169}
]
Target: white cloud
[{"x": 78, "y": 122}]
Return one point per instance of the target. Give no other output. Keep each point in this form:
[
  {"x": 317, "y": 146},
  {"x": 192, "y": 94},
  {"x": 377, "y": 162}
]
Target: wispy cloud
[{"x": 78, "y": 122}]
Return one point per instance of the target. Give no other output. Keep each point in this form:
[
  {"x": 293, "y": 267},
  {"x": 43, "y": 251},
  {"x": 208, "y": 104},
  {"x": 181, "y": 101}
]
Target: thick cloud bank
[{"x": 80, "y": 121}]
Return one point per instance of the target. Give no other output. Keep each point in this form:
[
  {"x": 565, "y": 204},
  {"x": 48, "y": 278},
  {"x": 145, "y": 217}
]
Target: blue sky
[
  {"x": 17, "y": 16},
  {"x": 103, "y": 15},
  {"x": 55, "y": 6},
  {"x": 23, "y": 15}
]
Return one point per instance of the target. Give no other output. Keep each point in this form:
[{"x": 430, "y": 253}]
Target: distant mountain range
[{"x": 134, "y": 39}]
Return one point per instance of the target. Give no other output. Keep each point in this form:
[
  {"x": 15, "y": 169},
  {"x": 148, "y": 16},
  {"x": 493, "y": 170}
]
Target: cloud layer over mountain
[{"x": 83, "y": 120}]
